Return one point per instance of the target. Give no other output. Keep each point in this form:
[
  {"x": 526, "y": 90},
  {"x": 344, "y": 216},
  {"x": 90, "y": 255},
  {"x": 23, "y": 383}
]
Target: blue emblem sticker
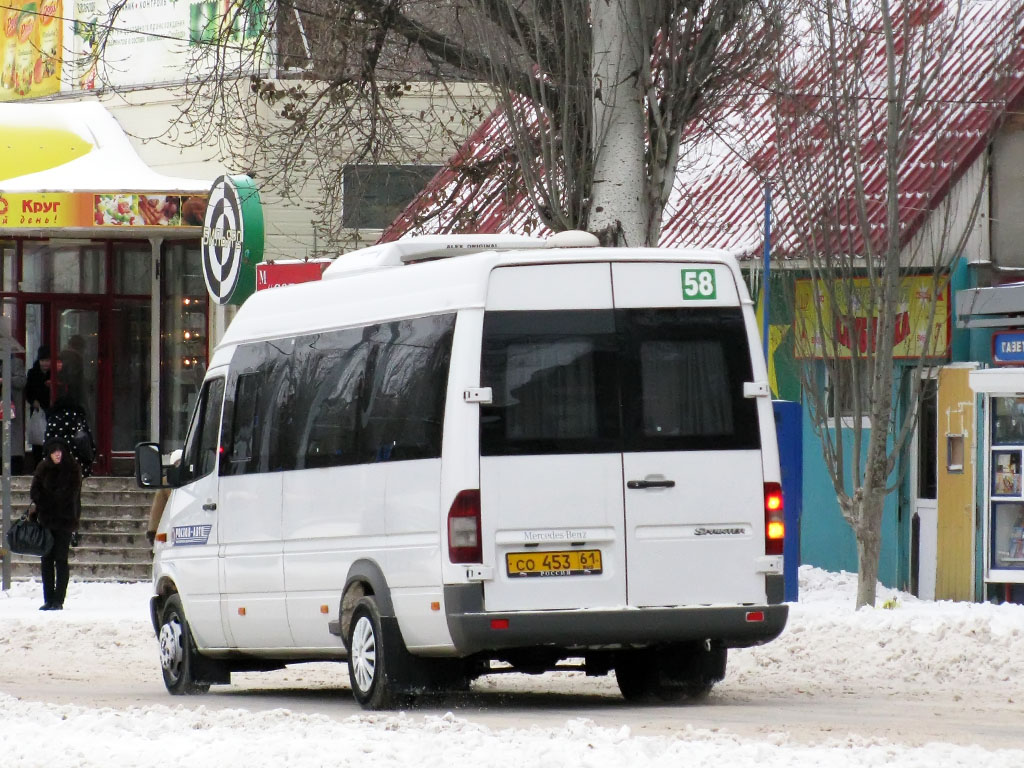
[{"x": 185, "y": 535}]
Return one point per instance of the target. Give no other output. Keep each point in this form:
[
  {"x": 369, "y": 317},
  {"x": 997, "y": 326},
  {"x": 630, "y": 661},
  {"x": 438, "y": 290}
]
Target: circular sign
[{"x": 223, "y": 239}]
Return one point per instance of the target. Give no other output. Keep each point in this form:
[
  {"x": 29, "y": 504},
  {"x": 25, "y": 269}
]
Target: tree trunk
[
  {"x": 869, "y": 545},
  {"x": 619, "y": 210}
]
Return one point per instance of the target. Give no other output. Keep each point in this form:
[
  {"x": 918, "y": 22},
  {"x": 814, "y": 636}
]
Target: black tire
[
  {"x": 373, "y": 682},
  {"x": 177, "y": 651},
  {"x": 670, "y": 675},
  {"x": 636, "y": 673}
]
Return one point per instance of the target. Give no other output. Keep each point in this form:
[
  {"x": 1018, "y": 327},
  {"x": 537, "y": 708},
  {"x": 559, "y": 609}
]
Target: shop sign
[
  {"x": 273, "y": 274},
  {"x": 1008, "y": 347},
  {"x": 88, "y": 209},
  {"x": 914, "y": 311},
  {"x": 232, "y": 242}
]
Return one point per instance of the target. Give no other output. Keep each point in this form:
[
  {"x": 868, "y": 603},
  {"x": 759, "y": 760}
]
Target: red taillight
[
  {"x": 774, "y": 522},
  {"x": 464, "y": 528}
]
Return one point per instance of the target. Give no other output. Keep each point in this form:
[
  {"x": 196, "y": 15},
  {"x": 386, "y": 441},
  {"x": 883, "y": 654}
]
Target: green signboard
[{"x": 232, "y": 239}]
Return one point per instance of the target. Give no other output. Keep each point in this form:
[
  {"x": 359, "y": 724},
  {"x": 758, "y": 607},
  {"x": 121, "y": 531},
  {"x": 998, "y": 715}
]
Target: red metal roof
[{"x": 718, "y": 198}]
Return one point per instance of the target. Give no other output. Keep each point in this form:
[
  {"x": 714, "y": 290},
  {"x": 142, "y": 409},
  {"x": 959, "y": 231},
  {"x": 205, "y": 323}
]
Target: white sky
[{"x": 958, "y": 651}]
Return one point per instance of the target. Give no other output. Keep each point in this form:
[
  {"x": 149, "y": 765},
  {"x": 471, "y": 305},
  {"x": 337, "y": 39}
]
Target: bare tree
[
  {"x": 876, "y": 184},
  {"x": 594, "y": 94}
]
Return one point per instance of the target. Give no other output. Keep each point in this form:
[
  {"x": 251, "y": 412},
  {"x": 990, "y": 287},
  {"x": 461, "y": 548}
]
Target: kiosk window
[{"x": 1007, "y": 420}]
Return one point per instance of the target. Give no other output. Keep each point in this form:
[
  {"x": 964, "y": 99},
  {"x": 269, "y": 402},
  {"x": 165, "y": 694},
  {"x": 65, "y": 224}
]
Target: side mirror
[{"x": 148, "y": 466}]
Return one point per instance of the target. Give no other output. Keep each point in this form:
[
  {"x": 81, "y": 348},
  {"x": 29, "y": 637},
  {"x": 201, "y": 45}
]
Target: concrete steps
[{"x": 112, "y": 537}]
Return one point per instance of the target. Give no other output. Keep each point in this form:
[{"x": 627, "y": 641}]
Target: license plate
[{"x": 575, "y": 562}]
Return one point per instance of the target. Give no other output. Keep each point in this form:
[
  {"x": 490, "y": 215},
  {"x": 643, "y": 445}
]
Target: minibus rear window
[
  {"x": 603, "y": 381},
  {"x": 552, "y": 376}
]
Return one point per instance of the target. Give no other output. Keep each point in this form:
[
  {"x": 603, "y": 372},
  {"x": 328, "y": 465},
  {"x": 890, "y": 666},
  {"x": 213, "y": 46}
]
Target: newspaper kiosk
[{"x": 1002, "y": 393}]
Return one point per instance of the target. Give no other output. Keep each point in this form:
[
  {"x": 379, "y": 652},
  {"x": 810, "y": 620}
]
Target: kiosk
[{"x": 1002, "y": 512}]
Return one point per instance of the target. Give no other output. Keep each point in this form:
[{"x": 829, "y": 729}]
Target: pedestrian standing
[
  {"x": 56, "y": 488},
  {"x": 37, "y": 401},
  {"x": 17, "y": 414}
]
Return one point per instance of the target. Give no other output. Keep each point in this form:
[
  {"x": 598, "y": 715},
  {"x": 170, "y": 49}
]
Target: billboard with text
[{"x": 51, "y": 46}]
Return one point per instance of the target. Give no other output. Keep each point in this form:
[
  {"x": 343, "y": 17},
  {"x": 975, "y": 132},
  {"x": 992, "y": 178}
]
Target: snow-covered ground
[{"x": 915, "y": 652}]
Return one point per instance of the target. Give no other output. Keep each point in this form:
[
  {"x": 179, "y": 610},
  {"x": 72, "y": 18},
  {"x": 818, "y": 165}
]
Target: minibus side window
[
  {"x": 256, "y": 422},
  {"x": 329, "y": 370},
  {"x": 199, "y": 457},
  {"x": 244, "y": 421},
  {"x": 407, "y": 376}
]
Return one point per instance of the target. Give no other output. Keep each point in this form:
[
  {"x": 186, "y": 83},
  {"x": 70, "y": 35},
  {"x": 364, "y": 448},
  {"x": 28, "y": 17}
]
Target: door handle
[
  {"x": 210, "y": 506},
  {"x": 640, "y": 484}
]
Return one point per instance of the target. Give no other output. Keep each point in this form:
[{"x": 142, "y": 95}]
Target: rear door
[
  {"x": 694, "y": 493},
  {"x": 550, "y": 458}
]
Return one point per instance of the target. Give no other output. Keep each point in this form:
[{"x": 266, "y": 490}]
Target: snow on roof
[
  {"x": 111, "y": 165},
  {"x": 718, "y": 197}
]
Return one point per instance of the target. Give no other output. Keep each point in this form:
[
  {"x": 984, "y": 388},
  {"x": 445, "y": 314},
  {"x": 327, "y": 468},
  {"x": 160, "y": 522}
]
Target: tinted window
[
  {"x": 245, "y": 419},
  {"x": 683, "y": 376},
  {"x": 199, "y": 457},
  {"x": 553, "y": 380},
  {"x": 257, "y": 427},
  {"x": 330, "y": 369},
  {"x": 407, "y": 372},
  {"x": 341, "y": 397},
  {"x": 599, "y": 381}
]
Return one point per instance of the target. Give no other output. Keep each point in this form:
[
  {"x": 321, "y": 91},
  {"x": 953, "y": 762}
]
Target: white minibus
[{"x": 458, "y": 455}]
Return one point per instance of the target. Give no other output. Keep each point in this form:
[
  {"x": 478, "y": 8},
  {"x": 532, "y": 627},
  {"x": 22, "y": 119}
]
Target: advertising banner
[
  {"x": 158, "y": 41},
  {"x": 31, "y": 48},
  {"x": 87, "y": 209},
  {"x": 917, "y": 295}
]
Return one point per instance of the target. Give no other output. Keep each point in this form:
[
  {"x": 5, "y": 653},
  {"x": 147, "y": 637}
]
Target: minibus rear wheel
[
  {"x": 177, "y": 651},
  {"x": 369, "y": 664}
]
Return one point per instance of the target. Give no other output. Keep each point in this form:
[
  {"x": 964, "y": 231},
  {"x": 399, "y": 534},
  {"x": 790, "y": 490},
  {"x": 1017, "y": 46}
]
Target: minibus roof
[{"x": 366, "y": 294}]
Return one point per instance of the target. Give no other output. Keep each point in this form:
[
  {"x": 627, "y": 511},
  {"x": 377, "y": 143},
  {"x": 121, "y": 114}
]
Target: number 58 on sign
[{"x": 699, "y": 284}]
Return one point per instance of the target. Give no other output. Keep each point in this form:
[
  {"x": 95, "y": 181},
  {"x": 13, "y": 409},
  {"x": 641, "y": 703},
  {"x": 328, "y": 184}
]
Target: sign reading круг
[{"x": 88, "y": 209}]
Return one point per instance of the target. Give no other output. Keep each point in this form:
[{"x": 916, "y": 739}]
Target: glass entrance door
[
  {"x": 78, "y": 358},
  {"x": 73, "y": 331}
]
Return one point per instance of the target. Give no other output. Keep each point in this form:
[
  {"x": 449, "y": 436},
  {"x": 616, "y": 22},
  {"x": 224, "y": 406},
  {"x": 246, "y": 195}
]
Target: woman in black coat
[{"x": 56, "y": 487}]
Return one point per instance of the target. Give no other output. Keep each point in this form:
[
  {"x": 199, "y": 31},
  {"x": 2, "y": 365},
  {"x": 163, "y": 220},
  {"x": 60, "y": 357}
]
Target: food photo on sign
[{"x": 148, "y": 210}]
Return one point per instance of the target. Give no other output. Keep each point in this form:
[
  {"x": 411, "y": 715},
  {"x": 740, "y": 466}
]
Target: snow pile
[{"x": 102, "y": 649}]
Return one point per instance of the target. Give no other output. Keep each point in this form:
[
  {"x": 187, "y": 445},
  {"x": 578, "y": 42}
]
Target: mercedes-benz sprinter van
[{"x": 459, "y": 454}]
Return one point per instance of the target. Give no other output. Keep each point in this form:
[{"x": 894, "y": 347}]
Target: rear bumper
[{"x": 472, "y": 632}]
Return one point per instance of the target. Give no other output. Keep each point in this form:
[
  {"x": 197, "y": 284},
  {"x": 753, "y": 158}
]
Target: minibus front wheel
[{"x": 177, "y": 651}]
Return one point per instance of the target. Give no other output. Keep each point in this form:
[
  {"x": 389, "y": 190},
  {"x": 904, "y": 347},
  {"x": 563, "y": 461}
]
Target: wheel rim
[
  {"x": 171, "y": 651},
  {"x": 364, "y": 653}
]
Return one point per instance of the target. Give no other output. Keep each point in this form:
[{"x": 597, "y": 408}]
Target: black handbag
[{"x": 27, "y": 537}]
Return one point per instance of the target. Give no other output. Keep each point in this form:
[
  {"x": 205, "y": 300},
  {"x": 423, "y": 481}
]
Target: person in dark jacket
[
  {"x": 56, "y": 489},
  {"x": 37, "y": 394}
]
